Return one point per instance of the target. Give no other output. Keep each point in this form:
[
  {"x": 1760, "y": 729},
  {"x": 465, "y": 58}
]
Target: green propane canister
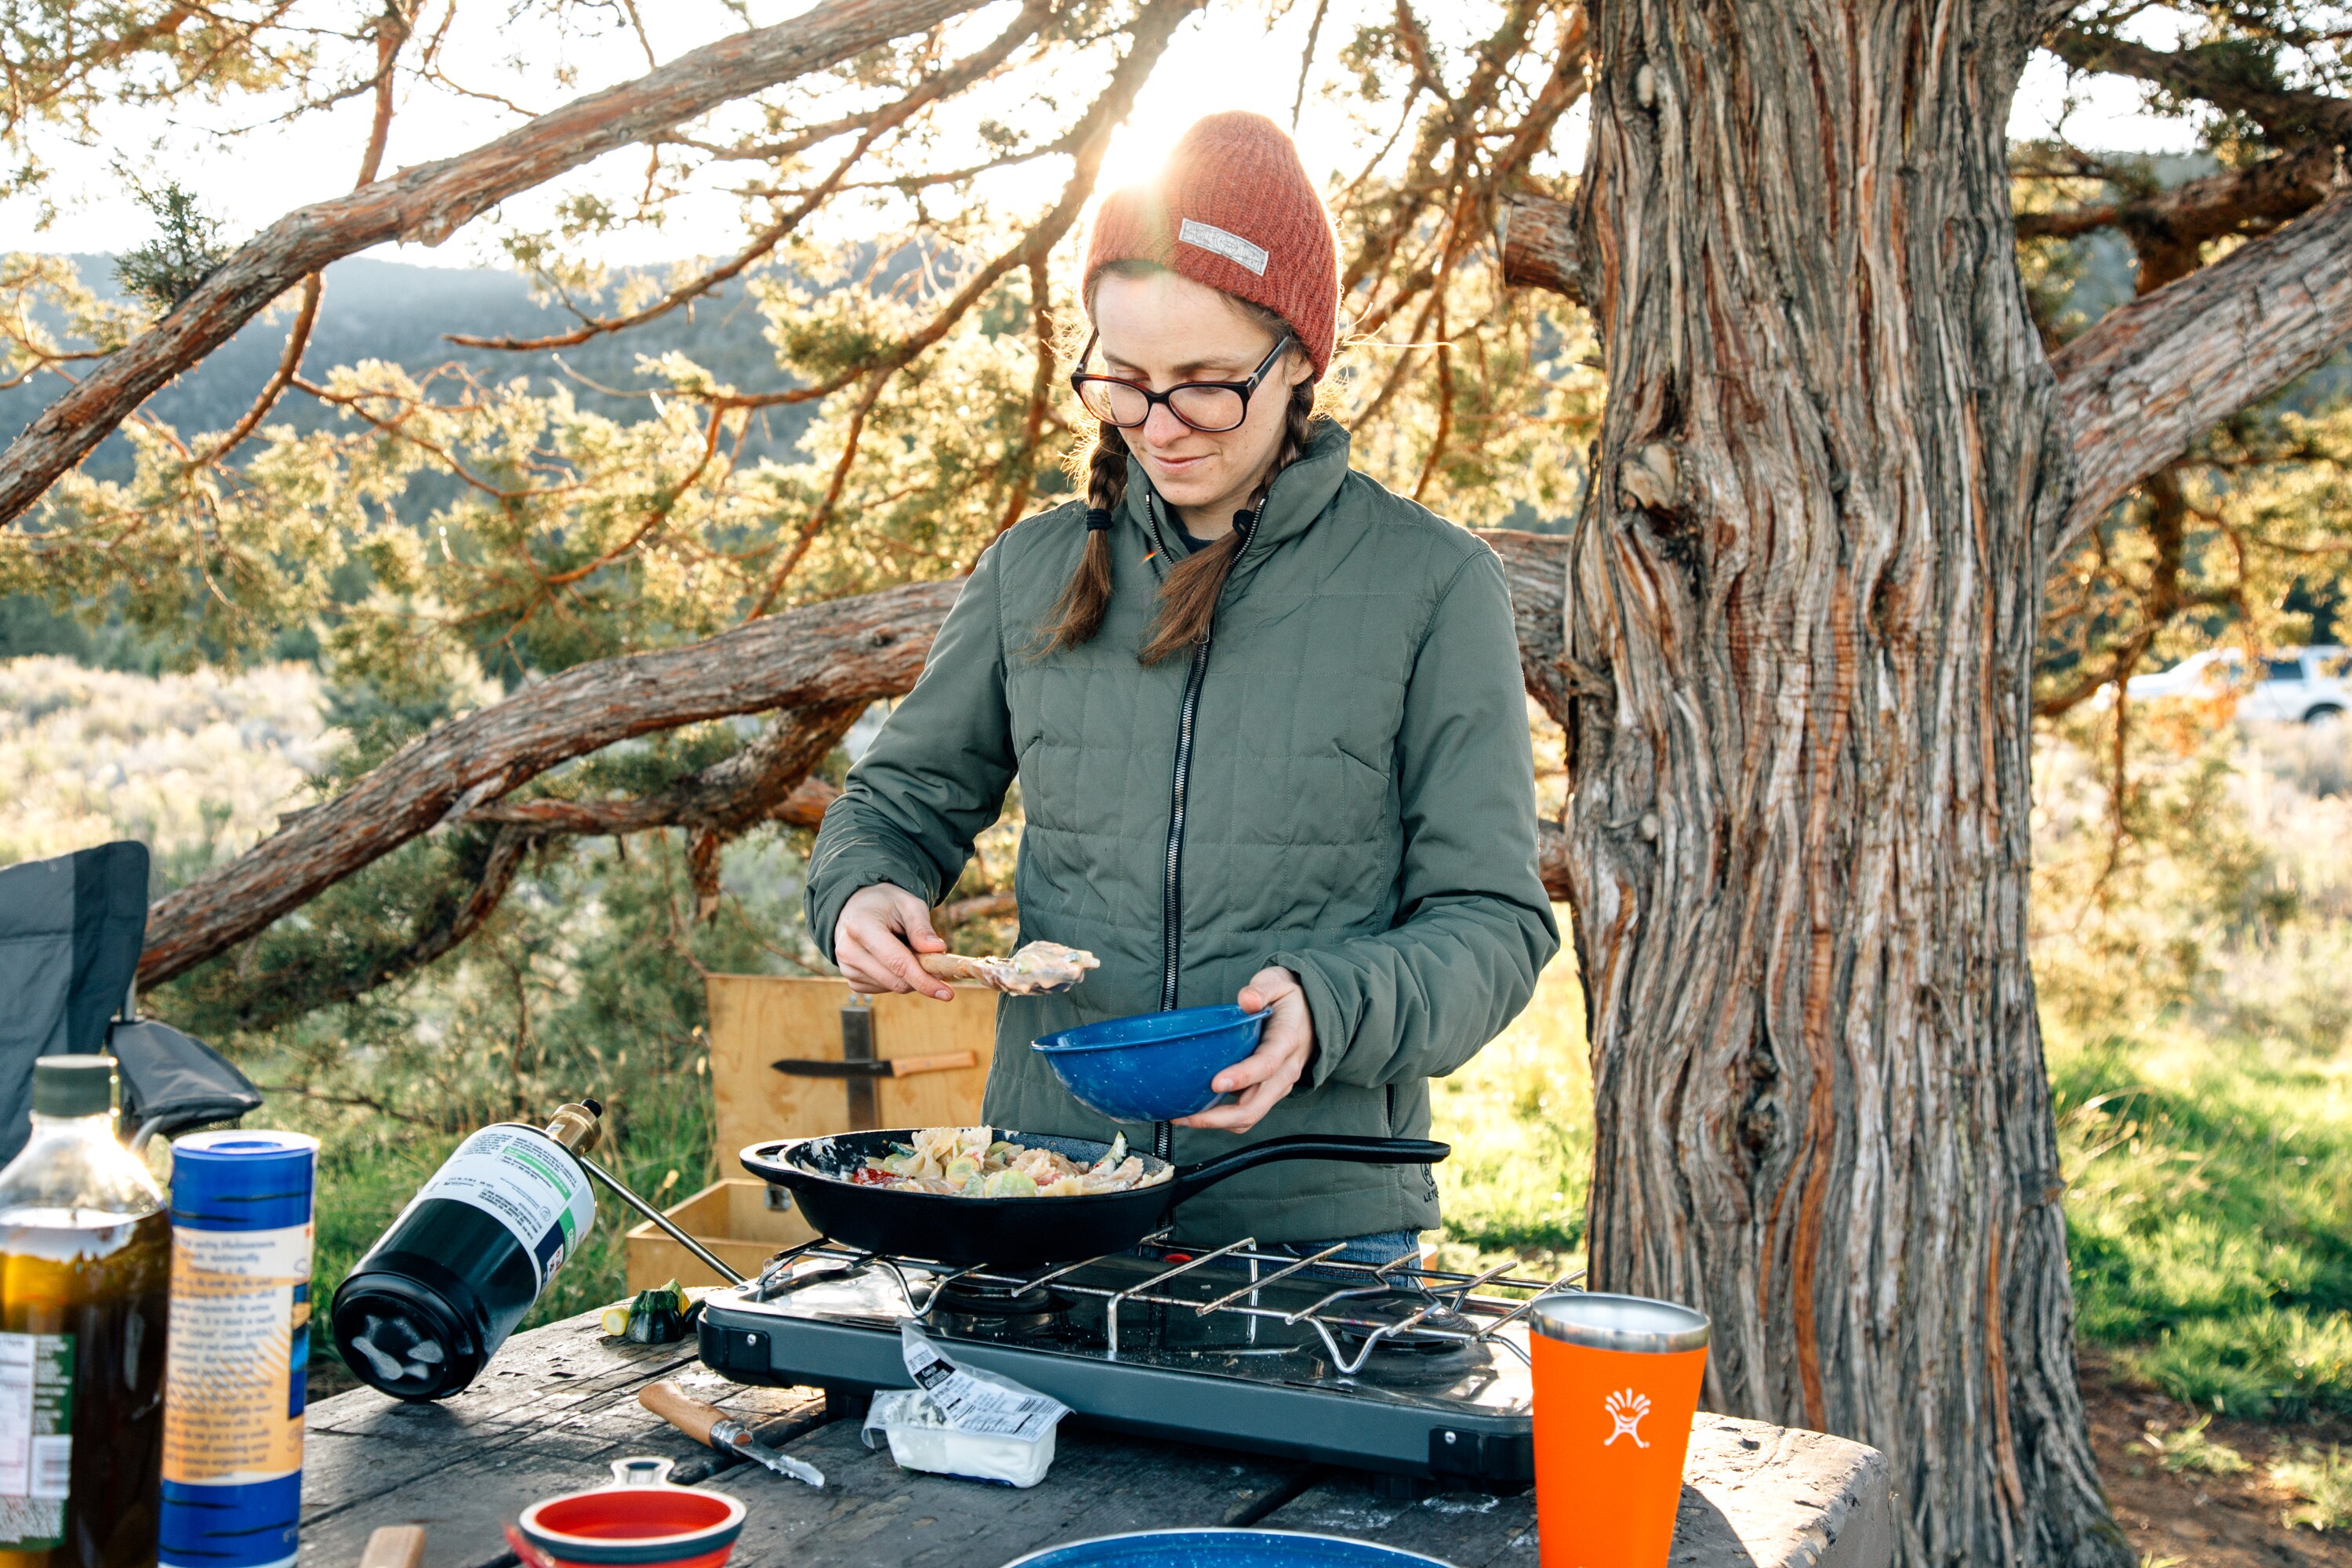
[{"x": 424, "y": 1311}]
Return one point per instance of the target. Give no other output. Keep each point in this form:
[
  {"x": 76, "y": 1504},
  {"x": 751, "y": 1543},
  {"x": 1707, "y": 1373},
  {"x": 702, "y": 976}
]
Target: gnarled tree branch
[
  {"x": 729, "y": 795},
  {"x": 2151, "y": 376},
  {"x": 943, "y": 84},
  {"x": 2226, "y": 77},
  {"x": 847, "y": 650},
  {"x": 1537, "y": 236},
  {"x": 762, "y": 779},
  {"x": 2167, "y": 227},
  {"x": 431, "y": 201}
]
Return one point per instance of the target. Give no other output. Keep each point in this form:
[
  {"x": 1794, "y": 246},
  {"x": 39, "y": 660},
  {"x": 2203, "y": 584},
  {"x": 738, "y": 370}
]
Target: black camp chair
[{"x": 70, "y": 933}]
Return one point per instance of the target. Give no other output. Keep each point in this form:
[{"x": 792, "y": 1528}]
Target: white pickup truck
[{"x": 2291, "y": 685}]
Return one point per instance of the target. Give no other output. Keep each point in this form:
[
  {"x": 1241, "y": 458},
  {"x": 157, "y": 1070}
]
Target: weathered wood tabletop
[{"x": 558, "y": 1405}]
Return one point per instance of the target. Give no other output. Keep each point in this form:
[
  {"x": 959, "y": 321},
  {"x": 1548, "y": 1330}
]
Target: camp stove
[{"x": 1398, "y": 1368}]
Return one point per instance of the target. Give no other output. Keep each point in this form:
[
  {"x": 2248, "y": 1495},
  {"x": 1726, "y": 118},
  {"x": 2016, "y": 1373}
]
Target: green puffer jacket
[{"x": 1359, "y": 808}]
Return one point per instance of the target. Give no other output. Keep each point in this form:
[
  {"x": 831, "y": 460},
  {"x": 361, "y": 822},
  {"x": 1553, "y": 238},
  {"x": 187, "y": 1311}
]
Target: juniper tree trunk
[{"x": 1801, "y": 614}]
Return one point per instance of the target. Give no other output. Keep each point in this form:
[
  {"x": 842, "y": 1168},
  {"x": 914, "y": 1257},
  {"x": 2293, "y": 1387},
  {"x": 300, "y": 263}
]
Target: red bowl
[{"x": 639, "y": 1521}]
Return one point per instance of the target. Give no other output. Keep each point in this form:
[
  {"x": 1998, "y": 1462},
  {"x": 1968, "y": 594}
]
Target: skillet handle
[
  {"x": 1190, "y": 1180},
  {"x": 766, "y": 1160}
]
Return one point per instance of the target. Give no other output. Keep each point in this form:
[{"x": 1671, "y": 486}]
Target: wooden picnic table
[{"x": 559, "y": 1403}]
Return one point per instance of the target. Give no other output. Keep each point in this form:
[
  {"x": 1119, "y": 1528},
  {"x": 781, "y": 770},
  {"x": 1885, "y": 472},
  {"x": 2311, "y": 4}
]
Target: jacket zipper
[
  {"x": 1171, "y": 898},
  {"x": 1173, "y": 871},
  {"x": 1171, "y": 903}
]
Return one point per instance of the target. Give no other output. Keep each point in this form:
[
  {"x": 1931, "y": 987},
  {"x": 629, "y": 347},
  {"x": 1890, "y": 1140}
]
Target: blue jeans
[{"x": 1378, "y": 1247}]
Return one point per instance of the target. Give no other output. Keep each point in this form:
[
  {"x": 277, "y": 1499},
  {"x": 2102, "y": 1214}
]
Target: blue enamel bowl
[
  {"x": 1224, "y": 1548},
  {"x": 1154, "y": 1066}
]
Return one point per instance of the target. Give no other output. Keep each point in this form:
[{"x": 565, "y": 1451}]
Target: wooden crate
[
  {"x": 731, "y": 1217},
  {"x": 943, "y": 1049}
]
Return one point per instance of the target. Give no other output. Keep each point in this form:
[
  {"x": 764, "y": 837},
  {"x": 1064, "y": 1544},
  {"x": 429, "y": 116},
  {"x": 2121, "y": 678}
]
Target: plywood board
[
  {"x": 732, "y": 1218},
  {"x": 756, "y": 1020}
]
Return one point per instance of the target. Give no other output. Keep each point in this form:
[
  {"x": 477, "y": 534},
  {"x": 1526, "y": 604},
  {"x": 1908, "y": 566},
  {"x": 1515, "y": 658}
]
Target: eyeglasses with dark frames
[{"x": 1211, "y": 407}]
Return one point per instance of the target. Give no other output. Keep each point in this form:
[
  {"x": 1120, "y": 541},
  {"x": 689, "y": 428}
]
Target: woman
[{"x": 1266, "y": 717}]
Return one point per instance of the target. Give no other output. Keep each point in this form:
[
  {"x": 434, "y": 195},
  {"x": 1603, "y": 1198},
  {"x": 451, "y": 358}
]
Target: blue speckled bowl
[
  {"x": 1154, "y": 1066},
  {"x": 1222, "y": 1549}
]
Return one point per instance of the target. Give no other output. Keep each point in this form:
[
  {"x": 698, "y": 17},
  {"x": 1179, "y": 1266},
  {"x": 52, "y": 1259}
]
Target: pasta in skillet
[{"x": 973, "y": 1163}]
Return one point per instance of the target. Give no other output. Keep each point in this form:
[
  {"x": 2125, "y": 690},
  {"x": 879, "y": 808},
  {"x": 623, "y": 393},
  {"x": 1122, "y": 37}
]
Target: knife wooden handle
[
  {"x": 394, "y": 1546},
  {"x": 954, "y": 967},
  {"x": 682, "y": 1410},
  {"x": 945, "y": 1061}
]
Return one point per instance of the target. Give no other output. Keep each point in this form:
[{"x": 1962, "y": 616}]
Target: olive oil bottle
[{"x": 85, "y": 1274}]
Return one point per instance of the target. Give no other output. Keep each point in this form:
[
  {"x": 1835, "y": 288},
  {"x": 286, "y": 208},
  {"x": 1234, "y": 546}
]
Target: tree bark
[
  {"x": 845, "y": 651},
  {"x": 1537, "y": 236},
  {"x": 2148, "y": 378},
  {"x": 1801, "y": 615},
  {"x": 429, "y": 203}
]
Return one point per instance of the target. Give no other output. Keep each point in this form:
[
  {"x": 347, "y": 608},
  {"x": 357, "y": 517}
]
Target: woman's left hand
[{"x": 1269, "y": 1072}]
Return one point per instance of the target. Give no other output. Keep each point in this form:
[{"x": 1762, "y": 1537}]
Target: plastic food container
[
  {"x": 1153, "y": 1067},
  {"x": 921, "y": 1439},
  {"x": 1224, "y": 1549}
]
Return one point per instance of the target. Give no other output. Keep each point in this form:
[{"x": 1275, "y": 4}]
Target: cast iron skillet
[{"x": 1020, "y": 1232}]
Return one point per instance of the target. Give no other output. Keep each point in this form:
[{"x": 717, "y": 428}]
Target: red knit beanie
[{"x": 1232, "y": 209}]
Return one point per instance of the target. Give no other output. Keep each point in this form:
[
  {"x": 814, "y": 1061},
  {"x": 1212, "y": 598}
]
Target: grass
[
  {"x": 2189, "y": 1448},
  {"x": 2199, "y": 1046},
  {"x": 2209, "y": 1219},
  {"x": 1520, "y": 1119},
  {"x": 2324, "y": 1482}
]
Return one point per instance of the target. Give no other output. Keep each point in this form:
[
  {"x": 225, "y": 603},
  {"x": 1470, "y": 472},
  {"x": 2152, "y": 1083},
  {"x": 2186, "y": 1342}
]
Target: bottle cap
[
  {"x": 578, "y": 1125},
  {"x": 73, "y": 1086},
  {"x": 230, "y": 1179}
]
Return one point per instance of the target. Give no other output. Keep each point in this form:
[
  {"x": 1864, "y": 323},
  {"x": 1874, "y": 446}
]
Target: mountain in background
[
  {"x": 394, "y": 311},
  {"x": 397, "y": 311}
]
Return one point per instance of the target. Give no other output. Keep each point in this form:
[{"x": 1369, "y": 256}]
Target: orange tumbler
[{"x": 1616, "y": 1384}]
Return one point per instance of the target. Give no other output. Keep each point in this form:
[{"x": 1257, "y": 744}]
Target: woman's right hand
[{"x": 881, "y": 928}]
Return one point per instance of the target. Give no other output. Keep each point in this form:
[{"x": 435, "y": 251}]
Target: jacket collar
[{"x": 1298, "y": 497}]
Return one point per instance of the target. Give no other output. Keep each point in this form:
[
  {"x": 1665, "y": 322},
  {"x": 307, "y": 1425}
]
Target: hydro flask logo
[{"x": 1626, "y": 1409}]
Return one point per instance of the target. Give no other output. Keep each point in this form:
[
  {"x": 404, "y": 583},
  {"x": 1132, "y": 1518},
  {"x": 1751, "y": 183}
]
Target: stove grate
[{"x": 1436, "y": 1304}]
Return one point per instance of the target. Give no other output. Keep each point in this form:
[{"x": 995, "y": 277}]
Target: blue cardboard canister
[{"x": 240, "y": 1349}]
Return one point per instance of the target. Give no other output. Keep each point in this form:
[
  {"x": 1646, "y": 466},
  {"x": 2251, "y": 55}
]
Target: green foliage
[
  {"x": 2324, "y": 1482},
  {"x": 2190, "y": 975},
  {"x": 524, "y": 515},
  {"x": 185, "y": 250},
  {"x": 2259, "y": 1363},
  {"x": 2189, "y": 1448},
  {"x": 588, "y": 982},
  {"x": 1520, "y": 1119}
]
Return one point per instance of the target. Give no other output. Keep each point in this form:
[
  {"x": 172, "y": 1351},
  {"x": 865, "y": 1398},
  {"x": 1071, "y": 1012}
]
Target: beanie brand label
[{"x": 1232, "y": 246}]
